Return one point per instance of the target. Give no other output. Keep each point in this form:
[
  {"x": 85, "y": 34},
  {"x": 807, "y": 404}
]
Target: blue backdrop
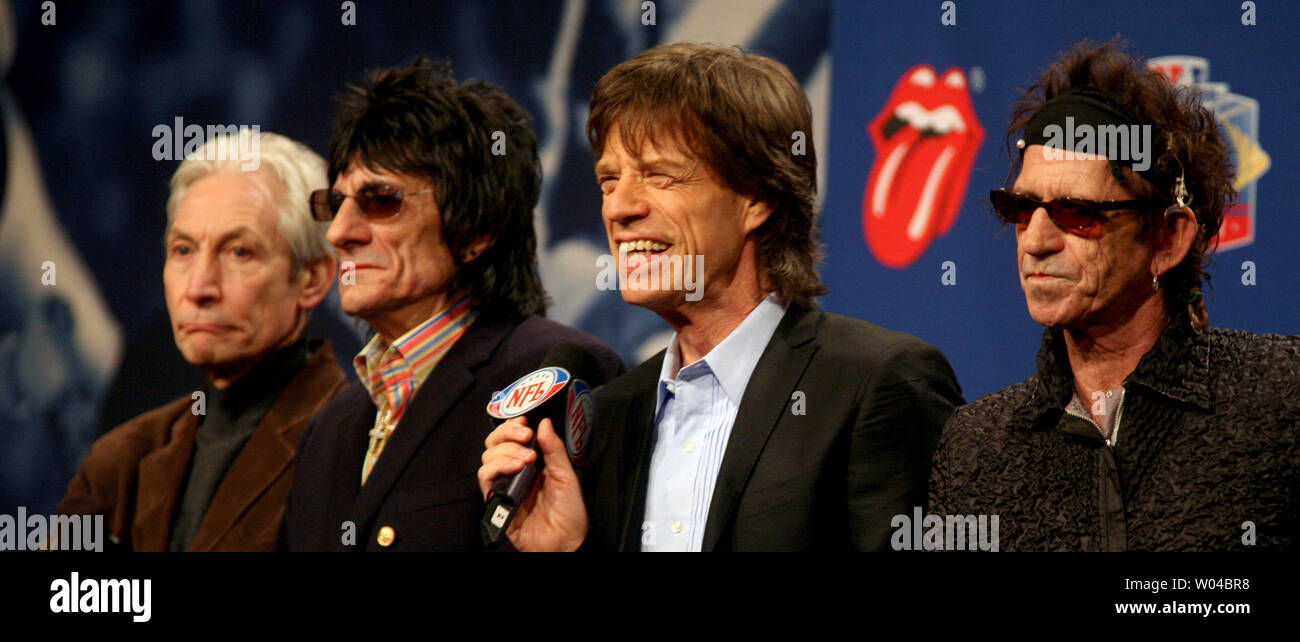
[
  {"x": 981, "y": 323},
  {"x": 87, "y": 84}
]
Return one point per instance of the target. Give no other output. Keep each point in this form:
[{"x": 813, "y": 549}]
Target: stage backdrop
[
  {"x": 84, "y": 336},
  {"x": 912, "y": 240},
  {"x": 88, "y": 83}
]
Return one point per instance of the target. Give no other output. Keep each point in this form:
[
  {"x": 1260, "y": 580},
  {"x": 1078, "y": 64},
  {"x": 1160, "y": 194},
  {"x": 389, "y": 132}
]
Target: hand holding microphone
[
  {"x": 553, "y": 516},
  {"x": 537, "y": 502}
]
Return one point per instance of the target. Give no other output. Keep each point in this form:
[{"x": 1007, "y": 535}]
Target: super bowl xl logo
[
  {"x": 926, "y": 139},
  {"x": 1239, "y": 117}
]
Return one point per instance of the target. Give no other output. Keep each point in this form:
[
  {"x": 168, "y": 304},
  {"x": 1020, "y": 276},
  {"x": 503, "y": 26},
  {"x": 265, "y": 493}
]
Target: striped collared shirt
[{"x": 392, "y": 373}]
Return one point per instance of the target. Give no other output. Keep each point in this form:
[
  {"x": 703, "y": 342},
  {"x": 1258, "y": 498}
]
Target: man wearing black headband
[{"x": 1144, "y": 429}]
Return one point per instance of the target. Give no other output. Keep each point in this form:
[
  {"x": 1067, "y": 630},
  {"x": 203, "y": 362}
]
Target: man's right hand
[{"x": 552, "y": 517}]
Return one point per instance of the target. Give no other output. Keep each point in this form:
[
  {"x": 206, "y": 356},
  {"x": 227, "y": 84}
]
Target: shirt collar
[
  {"x": 420, "y": 348},
  {"x": 1176, "y": 367},
  {"x": 733, "y": 360}
]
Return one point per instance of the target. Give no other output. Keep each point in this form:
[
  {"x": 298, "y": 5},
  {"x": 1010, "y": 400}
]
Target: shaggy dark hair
[
  {"x": 1195, "y": 142},
  {"x": 419, "y": 121}
]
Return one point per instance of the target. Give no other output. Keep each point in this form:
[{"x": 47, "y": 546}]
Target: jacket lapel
[
  {"x": 638, "y": 444},
  {"x": 439, "y": 393},
  {"x": 270, "y": 450},
  {"x": 770, "y": 386},
  {"x": 162, "y": 477}
]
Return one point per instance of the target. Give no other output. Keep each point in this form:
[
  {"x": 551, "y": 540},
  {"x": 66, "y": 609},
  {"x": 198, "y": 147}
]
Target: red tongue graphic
[{"x": 919, "y": 175}]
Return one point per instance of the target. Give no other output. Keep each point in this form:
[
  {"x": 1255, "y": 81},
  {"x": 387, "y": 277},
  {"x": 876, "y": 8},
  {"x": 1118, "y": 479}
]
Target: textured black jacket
[{"x": 1208, "y": 444}]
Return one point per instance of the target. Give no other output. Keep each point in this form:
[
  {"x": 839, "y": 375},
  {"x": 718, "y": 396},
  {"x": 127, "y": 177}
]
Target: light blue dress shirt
[{"x": 694, "y": 413}]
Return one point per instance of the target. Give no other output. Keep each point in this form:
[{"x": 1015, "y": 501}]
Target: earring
[
  {"x": 1155, "y": 282},
  {"x": 1182, "y": 198}
]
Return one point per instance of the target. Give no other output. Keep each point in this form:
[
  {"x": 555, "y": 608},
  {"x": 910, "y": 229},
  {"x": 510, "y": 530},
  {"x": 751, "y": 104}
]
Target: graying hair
[{"x": 299, "y": 170}]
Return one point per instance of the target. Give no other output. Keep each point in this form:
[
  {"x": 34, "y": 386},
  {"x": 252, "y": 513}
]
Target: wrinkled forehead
[
  {"x": 662, "y": 153},
  {"x": 1049, "y": 173},
  {"x": 225, "y": 193}
]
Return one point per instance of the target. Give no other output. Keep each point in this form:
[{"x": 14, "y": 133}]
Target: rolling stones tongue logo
[{"x": 926, "y": 139}]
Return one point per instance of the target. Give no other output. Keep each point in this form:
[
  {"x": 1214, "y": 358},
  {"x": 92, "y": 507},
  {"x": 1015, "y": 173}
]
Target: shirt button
[
  {"x": 386, "y": 536},
  {"x": 672, "y": 389},
  {"x": 677, "y": 527},
  {"x": 689, "y": 447}
]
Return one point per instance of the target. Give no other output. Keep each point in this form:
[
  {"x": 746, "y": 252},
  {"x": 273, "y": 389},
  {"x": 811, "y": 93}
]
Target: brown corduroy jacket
[{"x": 134, "y": 474}]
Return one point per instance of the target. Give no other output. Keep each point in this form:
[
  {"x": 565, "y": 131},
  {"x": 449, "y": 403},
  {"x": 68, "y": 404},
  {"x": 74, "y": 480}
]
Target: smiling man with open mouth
[{"x": 766, "y": 423}]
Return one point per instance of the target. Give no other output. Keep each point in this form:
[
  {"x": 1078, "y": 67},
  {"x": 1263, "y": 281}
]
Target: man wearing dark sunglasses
[
  {"x": 436, "y": 250},
  {"x": 1143, "y": 429}
]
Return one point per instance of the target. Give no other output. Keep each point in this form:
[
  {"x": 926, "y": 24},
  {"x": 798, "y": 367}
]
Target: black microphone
[{"x": 560, "y": 390}]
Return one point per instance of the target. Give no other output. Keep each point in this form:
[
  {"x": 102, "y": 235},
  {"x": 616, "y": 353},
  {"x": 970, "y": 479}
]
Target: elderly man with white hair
[{"x": 246, "y": 264}]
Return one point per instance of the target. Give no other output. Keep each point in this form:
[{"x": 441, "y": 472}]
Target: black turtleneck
[{"x": 232, "y": 416}]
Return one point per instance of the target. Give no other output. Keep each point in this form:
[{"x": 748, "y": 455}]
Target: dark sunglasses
[
  {"x": 1066, "y": 213},
  {"x": 374, "y": 201}
]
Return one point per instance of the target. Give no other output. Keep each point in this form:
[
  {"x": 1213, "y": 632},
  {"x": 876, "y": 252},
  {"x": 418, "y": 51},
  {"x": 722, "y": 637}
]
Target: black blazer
[
  {"x": 424, "y": 487},
  {"x": 874, "y": 401}
]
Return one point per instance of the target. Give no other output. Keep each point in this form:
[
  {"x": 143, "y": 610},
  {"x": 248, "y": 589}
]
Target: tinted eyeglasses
[
  {"x": 1066, "y": 213},
  {"x": 374, "y": 201}
]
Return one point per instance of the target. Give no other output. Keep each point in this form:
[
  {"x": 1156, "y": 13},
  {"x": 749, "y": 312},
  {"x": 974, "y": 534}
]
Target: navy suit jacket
[
  {"x": 424, "y": 487},
  {"x": 833, "y": 437}
]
